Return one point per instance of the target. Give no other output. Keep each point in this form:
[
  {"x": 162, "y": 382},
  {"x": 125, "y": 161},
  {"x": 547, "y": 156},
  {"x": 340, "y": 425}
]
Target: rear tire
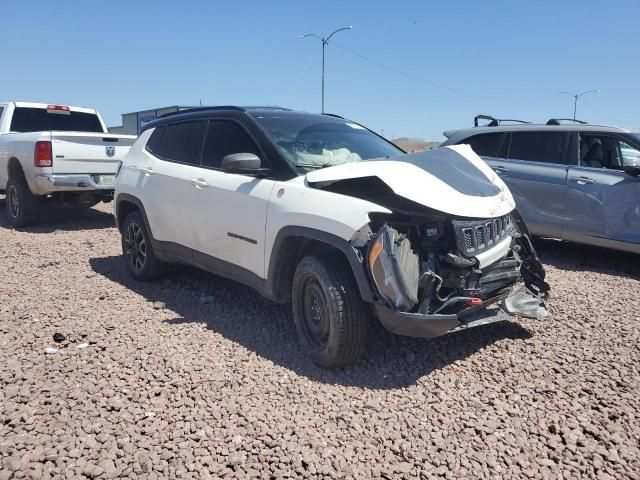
[
  {"x": 331, "y": 319},
  {"x": 22, "y": 205},
  {"x": 137, "y": 251}
]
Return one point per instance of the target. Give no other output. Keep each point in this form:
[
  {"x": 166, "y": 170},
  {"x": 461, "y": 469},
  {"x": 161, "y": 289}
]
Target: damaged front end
[{"x": 435, "y": 274}]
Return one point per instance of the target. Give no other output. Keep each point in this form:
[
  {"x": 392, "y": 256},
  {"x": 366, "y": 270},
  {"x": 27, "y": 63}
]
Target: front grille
[{"x": 476, "y": 236}]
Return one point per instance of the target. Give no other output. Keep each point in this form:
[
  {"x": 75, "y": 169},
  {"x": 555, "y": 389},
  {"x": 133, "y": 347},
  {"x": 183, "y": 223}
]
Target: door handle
[
  {"x": 500, "y": 170},
  {"x": 199, "y": 183},
  {"x": 583, "y": 180},
  {"x": 147, "y": 171}
]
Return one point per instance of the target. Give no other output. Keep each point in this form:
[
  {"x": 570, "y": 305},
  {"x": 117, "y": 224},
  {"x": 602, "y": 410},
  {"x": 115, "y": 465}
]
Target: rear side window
[
  {"x": 489, "y": 145},
  {"x": 225, "y": 138},
  {"x": 178, "y": 142},
  {"x": 1, "y": 110},
  {"x": 154, "y": 139},
  {"x": 39, "y": 120},
  {"x": 538, "y": 147}
]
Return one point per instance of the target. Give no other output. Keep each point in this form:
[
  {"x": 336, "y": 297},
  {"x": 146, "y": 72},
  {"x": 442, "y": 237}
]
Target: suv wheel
[
  {"x": 330, "y": 317},
  {"x": 137, "y": 251},
  {"x": 22, "y": 205}
]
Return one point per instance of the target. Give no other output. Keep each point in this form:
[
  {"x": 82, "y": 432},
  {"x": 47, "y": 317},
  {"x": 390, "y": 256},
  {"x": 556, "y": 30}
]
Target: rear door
[
  {"x": 169, "y": 162},
  {"x": 492, "y": 147},
  {"x": 536, "y": 173},
  {"x": 603, "y": 202}
]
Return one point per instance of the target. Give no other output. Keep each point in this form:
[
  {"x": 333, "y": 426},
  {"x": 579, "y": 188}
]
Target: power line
[{"x": 423, "y": 80}]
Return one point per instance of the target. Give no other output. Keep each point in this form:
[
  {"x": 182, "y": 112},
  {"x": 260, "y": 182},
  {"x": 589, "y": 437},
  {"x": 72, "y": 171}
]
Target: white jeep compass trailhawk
[{"x": 321, "y": 212}]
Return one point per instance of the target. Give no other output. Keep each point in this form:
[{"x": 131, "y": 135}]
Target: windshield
[{"x": 310, "y": 141}]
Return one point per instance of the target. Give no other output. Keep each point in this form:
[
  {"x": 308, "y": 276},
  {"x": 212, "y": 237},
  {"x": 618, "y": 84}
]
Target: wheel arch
[
  {"x": 293, "y": 243},
  {"x": 14, "y": 167},
  {"x": 126, "y": 204}
]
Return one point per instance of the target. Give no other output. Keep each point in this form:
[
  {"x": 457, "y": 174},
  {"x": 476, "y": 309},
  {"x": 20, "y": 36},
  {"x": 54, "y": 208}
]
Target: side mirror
[
  {"x": 633, "y": 170},
  {"x": 244, "y": 163}
]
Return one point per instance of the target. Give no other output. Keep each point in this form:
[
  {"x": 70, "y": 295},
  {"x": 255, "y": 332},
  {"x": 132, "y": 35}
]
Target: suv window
[
  {"x": 40, "y": 120},
  {"x": 604, "y": 151},
  {"x": 629, "y": 154},
  {"x": 1, "y": 110},
  {"x": 225, "y": 138},
  {"x": 488, "y": 145},
  {"x": 538, "y": 146},
  {"x": 178, "y": 142},
  {"x": 154, "y": 139}
]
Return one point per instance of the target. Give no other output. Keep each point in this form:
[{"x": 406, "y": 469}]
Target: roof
[
  {"x": 253, "y": 110},
  {"x": 177, "y": 107},
  {"x": 532, "y": 127}
]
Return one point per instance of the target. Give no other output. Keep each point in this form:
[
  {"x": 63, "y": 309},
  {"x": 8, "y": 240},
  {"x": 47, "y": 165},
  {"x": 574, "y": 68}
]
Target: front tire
[
  {"x": 331, "y": 319},
  {"x": 137, "y": 251},
  {"x": 22, "y": 205}
]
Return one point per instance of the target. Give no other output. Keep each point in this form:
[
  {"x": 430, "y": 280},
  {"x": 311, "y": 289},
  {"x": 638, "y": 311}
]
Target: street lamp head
[{"x": 309, "y": 35}]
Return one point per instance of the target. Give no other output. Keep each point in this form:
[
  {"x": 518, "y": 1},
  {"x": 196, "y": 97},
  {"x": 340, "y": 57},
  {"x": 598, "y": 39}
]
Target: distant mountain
[{"x": 414, "y": 144}]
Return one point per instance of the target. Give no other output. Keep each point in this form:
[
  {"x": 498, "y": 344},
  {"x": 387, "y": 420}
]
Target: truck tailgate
[{"x": 81, "y": 152}]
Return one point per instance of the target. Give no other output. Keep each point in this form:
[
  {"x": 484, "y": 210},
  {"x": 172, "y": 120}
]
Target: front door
[
  {"x": 230, "y": 210},
  {"x": 603, "y": 202}
]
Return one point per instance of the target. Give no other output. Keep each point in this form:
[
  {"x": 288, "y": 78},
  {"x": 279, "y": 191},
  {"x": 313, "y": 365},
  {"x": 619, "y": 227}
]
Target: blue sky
[{"x": 457, "y": 59}]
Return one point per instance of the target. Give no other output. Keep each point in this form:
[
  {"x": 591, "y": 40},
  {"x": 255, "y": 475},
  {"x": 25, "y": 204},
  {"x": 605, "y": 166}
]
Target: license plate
[{"x": 106, "y": 179}]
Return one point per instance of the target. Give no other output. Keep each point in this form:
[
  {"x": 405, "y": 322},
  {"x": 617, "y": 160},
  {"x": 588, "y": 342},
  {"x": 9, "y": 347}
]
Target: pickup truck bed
[{"x": 56, "y": 151}]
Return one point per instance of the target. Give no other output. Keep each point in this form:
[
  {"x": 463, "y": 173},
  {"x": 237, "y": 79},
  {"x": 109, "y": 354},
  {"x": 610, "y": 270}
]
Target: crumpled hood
[{"x": 452, "y": 180}]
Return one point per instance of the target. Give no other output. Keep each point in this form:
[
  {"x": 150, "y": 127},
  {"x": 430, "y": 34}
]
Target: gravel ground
[{"x": 198, "y": 377}]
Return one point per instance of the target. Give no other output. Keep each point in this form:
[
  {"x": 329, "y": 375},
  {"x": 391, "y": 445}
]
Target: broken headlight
[{"x": 395, "y": 268}]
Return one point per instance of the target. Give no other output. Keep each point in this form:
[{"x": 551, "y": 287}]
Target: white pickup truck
[{"x": 55, "y": 151}]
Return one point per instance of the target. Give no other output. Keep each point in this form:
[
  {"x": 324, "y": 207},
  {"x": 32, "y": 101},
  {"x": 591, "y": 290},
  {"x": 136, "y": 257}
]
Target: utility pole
[
  {"x": 324, "y": 44},
  {"x": 576, "y": 96}
]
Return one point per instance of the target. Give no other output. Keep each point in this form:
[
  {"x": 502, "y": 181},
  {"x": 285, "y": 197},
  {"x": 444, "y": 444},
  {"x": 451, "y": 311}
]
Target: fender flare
[
  {"x": 355, "y": 259},
  {"x": 125, "y": 197}
]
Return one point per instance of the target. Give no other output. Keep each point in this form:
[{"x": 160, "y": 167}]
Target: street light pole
[
  {"x": 324, "y": 44},
  {"x": 576, "y": 96}
]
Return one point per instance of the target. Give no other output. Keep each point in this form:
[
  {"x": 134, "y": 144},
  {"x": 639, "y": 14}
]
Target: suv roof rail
[
  {"x": 494, "y": 122},
  {"x": 260, "y": 107},
  {"x": 556, "y": 121},
  {"x": 200, "y": 109},
  {"x": 333, "y": 115}
]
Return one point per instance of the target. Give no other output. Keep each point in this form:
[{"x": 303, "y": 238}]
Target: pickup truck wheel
[
  {"x": 331, "y": 319},
  {"x": 137, "y": 250},
  {"x": 22, "y": 205}
]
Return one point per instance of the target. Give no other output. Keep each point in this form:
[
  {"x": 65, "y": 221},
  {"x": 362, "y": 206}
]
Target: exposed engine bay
[{"x": 457, "y": 266}]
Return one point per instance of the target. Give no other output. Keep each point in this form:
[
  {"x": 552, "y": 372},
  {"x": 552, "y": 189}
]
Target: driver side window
[
  {"x": 629, "y": 154},
  {"x": 226, "y": 138},
  {"x": 603, "y": 151}
]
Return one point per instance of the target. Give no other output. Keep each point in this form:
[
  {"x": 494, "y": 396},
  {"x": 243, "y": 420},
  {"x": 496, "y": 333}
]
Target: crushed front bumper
[
  {"x": 516, "y": 301},
  {"x": 428, "y": 326},
  {"x": 50, "y": 183}
]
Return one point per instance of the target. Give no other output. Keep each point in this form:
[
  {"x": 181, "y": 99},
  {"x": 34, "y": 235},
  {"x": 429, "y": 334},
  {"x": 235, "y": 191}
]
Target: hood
[{"x": 453, "y": 180}]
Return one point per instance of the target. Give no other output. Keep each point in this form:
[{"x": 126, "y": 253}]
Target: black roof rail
[
  {"x": 333, "y": 115},
  {"x": 201, "y": 109},
  {"x": 272, "y": 107},
  {"x": 556, "y": 121},
  {"x": 494, "y": 122}
]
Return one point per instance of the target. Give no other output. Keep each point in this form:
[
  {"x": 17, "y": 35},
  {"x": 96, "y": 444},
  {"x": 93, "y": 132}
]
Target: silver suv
[{"x": 577, "y": 182}]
